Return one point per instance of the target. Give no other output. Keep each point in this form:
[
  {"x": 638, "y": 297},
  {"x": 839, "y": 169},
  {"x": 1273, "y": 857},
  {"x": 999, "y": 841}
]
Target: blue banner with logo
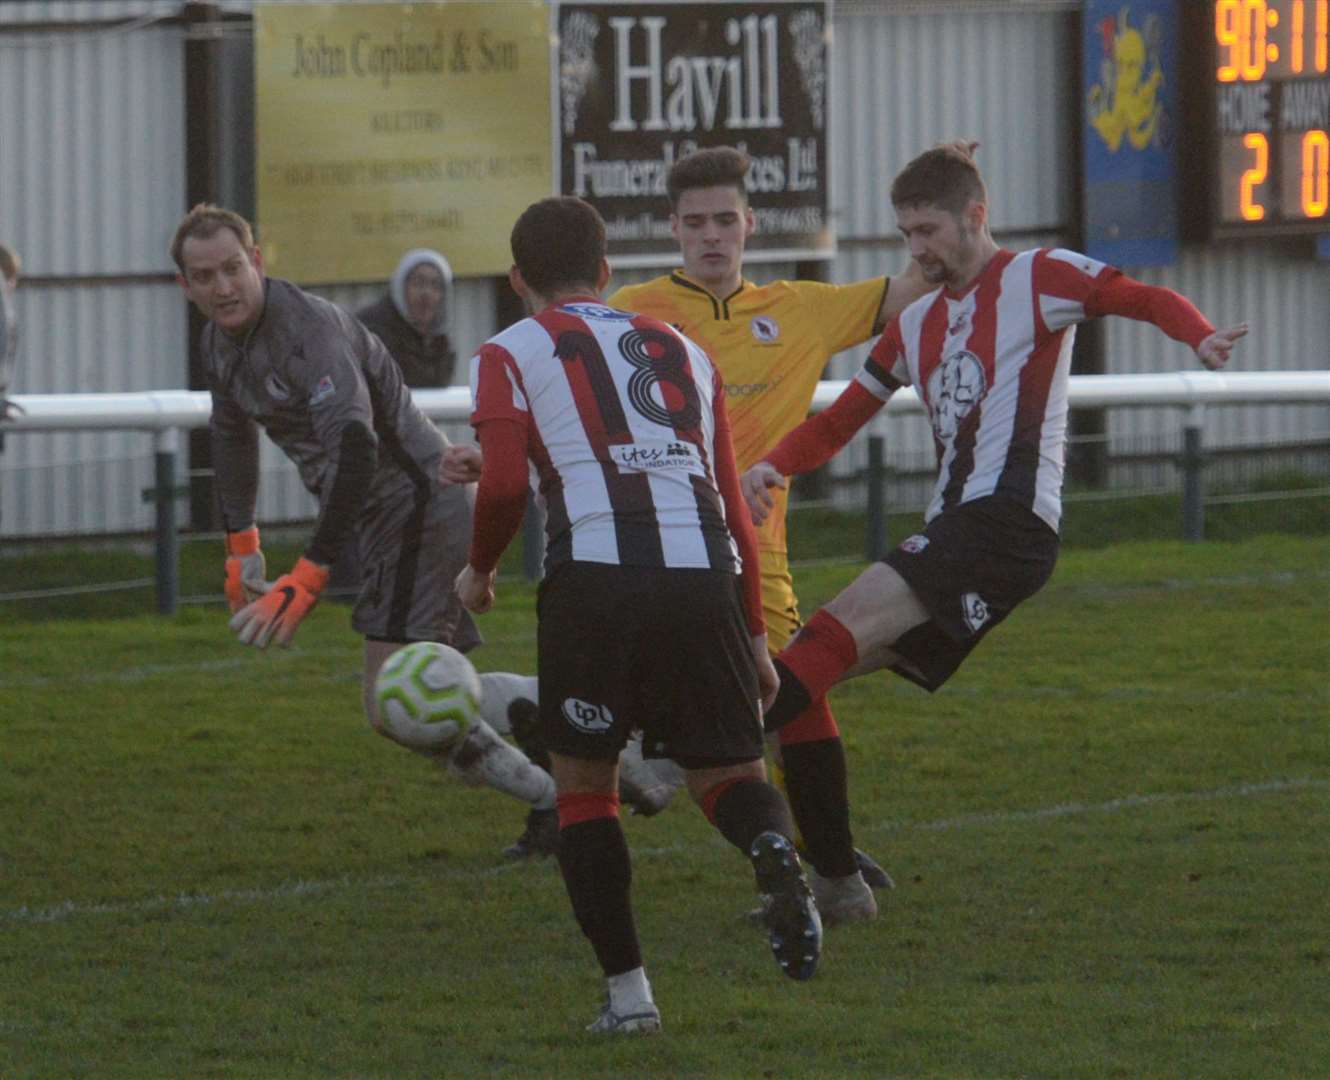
[{"x": 1129, "y": 105}]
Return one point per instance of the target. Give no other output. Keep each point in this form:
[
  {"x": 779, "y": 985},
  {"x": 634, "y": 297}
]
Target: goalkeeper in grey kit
[{"x": 331, "y": 397}]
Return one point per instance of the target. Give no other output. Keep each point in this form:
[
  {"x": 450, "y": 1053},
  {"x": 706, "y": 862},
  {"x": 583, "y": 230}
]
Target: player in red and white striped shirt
[
  {"x": 650, "y": 613},
  {"x": 989, "y": 353}
]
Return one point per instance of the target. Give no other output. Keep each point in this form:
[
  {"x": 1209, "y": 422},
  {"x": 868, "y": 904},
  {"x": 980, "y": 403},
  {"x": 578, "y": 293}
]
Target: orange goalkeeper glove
[
  {"x": 246, "y": 570},
  {"x": 275, "y": 615}
]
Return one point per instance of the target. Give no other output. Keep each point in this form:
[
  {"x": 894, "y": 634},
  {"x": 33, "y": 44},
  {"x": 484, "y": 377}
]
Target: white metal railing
[
  {"x": 161, "y": 410},
  {"x": 165, "y": 413}
]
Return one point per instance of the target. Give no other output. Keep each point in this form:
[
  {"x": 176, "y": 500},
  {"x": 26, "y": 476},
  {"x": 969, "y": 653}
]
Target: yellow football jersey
[{"x": 771, "y": 344}]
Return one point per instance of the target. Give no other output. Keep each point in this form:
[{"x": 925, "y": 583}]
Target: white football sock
[
  {"x": 629, "y": 990},
  {"x": 498, "y": 690},
  {"x": 483, "y": 757}
]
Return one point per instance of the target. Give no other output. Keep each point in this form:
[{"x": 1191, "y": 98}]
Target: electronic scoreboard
[{"x": 1268, "y": 85}]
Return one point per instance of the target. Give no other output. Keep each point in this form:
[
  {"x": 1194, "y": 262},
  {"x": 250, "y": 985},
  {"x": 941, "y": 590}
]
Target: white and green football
[{"x": 428, "y": 695}]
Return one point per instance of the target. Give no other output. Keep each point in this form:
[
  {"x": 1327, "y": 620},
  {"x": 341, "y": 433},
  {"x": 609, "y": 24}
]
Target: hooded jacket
[
  {"x": 8, "y": 348},
  {"x": 425, "y": 359}
]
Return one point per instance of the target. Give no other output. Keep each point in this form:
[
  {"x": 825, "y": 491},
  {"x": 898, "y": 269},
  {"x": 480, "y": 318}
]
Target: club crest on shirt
[
  {"x": 975, "y": 609},
  {"x": 277, "y": 389},
  {"x": 956, "y": 386},
  {"x": 323, "y": 390},
  {"x": 587, "y": 718},
  {"x": 765, "y": 329},
  {"x": 912, "y": 545}
]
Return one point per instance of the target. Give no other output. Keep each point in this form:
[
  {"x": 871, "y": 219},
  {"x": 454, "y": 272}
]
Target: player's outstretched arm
[
  {"x": 246, "y": 569},
  {"x": 475, "y": 588},
  {"x": 1214, "y": 351},
  {"x": 500, "y": 505},
  {"x": 460, "y": 464},
  {"x": 811, "y": 444},
  {"x": 276, "y": 615},
  {"x": 756, "y": 485},
  {"x": 905, "y": 288},
  {"x": 768, "y": 682}
]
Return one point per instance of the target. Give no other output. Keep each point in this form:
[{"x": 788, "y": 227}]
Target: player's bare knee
[
  {"x": 701, "y": 782},
  {"x": 877, "y": 608}
]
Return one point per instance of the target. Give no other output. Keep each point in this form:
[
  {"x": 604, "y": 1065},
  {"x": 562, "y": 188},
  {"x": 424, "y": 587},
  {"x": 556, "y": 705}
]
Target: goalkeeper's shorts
[{"x": 411, "y": 549}]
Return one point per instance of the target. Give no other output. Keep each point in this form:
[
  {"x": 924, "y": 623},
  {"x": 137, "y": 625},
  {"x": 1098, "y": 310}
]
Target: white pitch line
[
  {"x": 186, "y": 901},
  {"x": 1112, "y": 806}
]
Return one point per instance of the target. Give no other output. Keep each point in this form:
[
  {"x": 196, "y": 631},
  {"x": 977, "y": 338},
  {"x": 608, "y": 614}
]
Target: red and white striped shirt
[
  {"x": 991, "y": 366},
  {"x": 626, "y": 437}
]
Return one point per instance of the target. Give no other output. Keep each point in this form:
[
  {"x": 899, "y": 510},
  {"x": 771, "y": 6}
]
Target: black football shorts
[
  {"x": 970, "y": 567},
  {"x": 666, "y": 651}
]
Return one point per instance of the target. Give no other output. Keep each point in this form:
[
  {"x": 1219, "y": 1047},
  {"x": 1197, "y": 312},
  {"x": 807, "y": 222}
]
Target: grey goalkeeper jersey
[{"x": 307, "y": 373}]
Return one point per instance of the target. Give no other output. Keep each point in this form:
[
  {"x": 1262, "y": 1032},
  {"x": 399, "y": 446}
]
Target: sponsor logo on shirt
[
  {"x": 956, "y": 386},
  {"x": 765, "y": 329},
  {"x": 747, "y": 388},
  {"x": 598, "y": 311},
  {"x": 323, "y": 390},
  {"x": 674, "y": 454},
  {"x": 912, "y": 545},
  {"x": 587, "y": 718},
  {"x": 975, "y": 609},
  {"x": 276, "y": 388}
]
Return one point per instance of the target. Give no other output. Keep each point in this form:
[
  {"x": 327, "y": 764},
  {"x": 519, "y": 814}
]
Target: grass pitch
[{"x": 1107, "y": 833}]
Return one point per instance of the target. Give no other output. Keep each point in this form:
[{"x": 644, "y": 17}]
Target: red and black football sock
[
  {"x": 818, "y": 790},
  {"x": 597, "y": 872},
  {"x": 809, "y": 666},
  {"x": 745, "y": 807}
]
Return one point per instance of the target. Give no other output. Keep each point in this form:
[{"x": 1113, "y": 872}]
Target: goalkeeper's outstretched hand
[
  {"x": 246, "y": 570},
  {"x": 275, "y": 615}
]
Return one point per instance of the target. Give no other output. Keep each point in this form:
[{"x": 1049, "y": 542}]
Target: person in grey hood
[
  {"x": 327, "y": 393},
  {"x": 9, "y": 268},
  {"x": 412, "y": 319}
]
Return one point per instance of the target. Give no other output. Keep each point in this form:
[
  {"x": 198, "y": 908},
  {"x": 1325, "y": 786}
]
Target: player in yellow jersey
[{"x": 771, "y": 343}]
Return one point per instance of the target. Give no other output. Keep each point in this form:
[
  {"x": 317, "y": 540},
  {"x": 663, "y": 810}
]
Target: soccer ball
[{"x": 428, "y": 695}]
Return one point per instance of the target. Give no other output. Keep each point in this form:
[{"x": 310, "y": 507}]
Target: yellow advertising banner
[{"x": 384, "y": 127}]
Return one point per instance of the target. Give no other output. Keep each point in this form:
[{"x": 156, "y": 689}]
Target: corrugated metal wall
[
  {"x": 91, "y": 185},
  {"x": 92, "y": 181},
  {"x": 905, "y": 81}
]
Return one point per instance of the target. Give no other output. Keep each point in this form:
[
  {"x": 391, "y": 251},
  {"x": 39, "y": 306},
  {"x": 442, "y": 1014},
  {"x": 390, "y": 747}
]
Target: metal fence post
[
  {"x": 165, "y": 443},
  {"x": 1193, "y": 484},
  {"x": 875, "y": 540}
]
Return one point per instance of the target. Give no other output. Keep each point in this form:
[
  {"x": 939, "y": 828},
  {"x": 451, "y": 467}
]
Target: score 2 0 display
[{"x": 1271, "y": 79}]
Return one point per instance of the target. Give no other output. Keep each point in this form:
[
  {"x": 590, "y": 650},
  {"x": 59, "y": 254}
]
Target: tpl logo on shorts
[
  {"x": 975, "y": 608},
  {"x": 588, "y": 718},
  {"x": 912, "y": 545}
]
